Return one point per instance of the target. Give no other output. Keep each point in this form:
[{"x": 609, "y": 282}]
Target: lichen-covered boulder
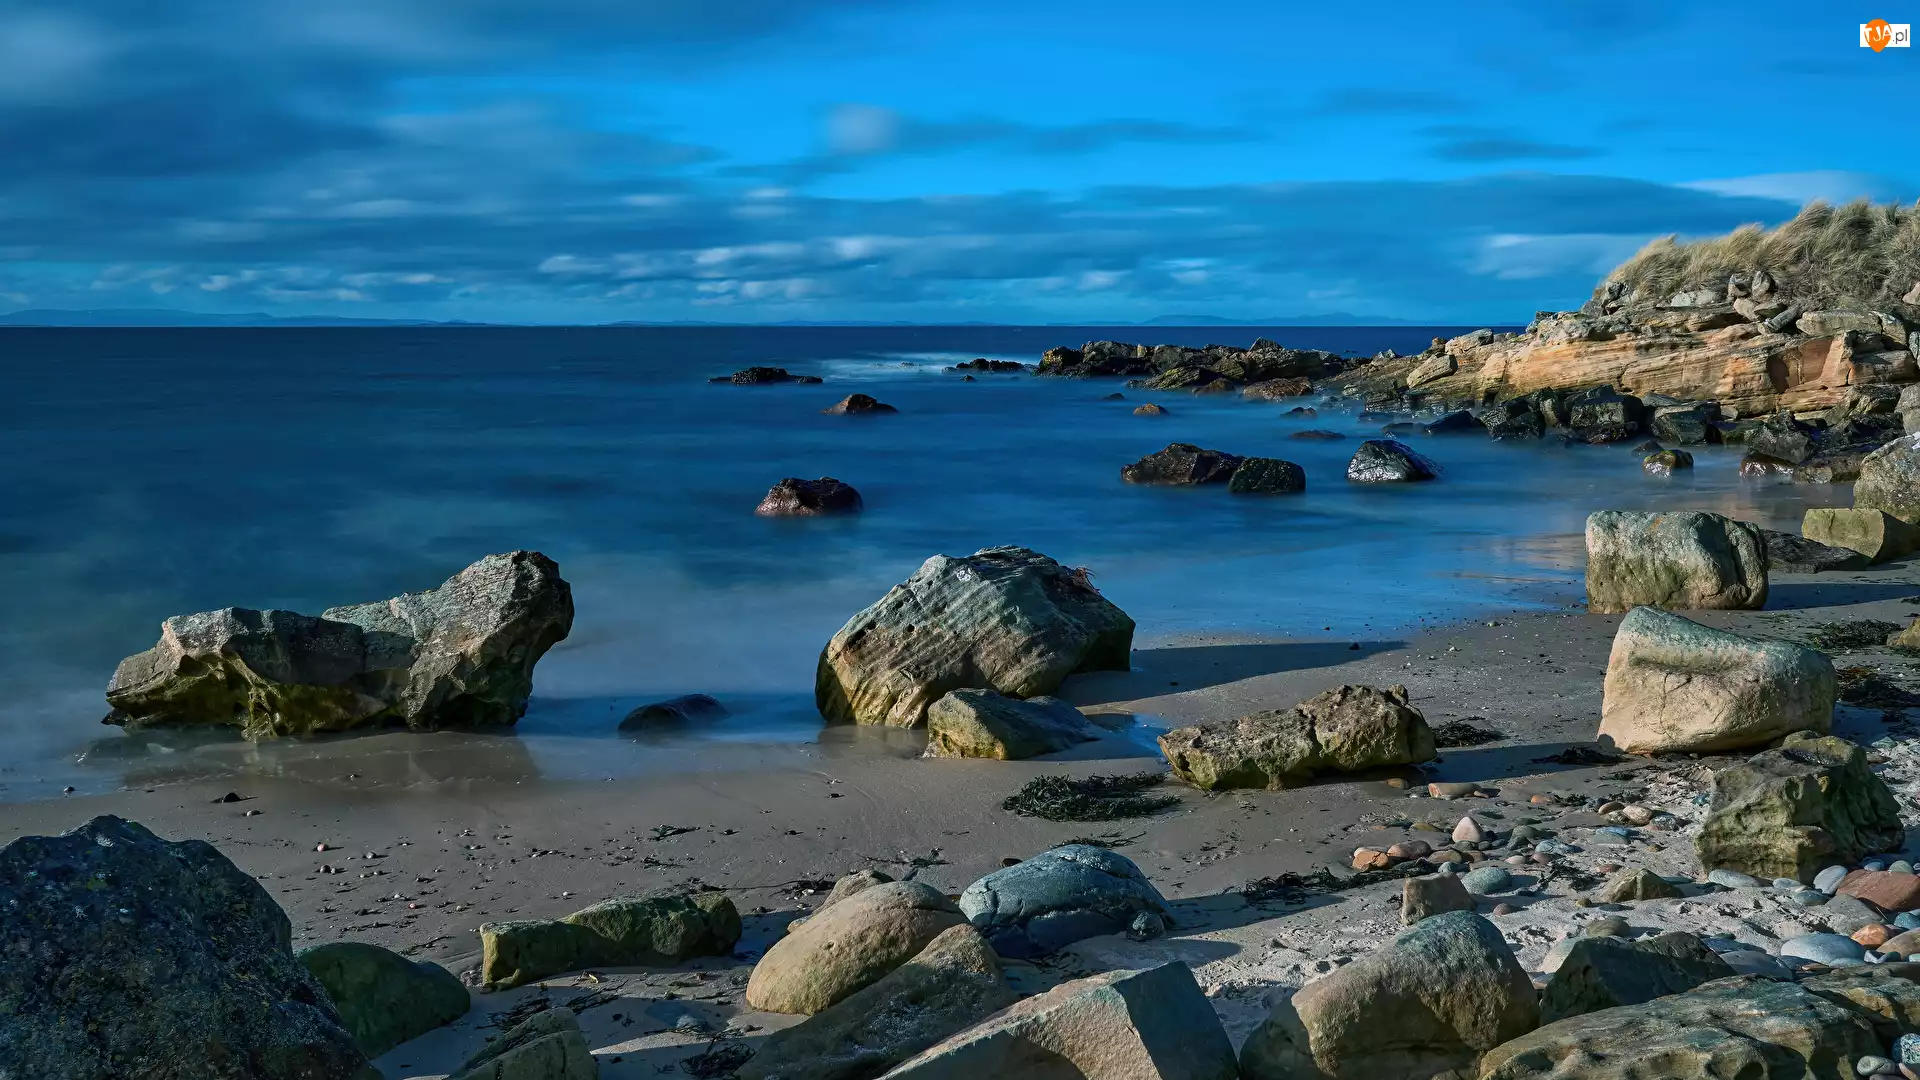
[
  {"x": 1795, "y": 810},
  {"x": 1426, "y": 1004},
  {"x": 1673, "y": 685},
  {"x": 1004, "y": 618},
  {"x": 985, "y": 724},
  {"x": 125, "y": 955},
  {"x": 799, "y": 497},
  {"x": 1890, "y": 480},
  {"x": 1680, "y": 560},
  {"x": 1059, "y": 897},
  {"x": 1387, "y": 461},
  {"x": 848, "y": 945},
  {"x": 1608, "y": 972},
  {"x": 1346, "y": 729},
  {"x": 625, "y": 931},
  {"x": 384, "y": 998},
  {"x": 458, "y": 656},
  {"x": 1872, "y": 532},
  {"x": 548, "y": 1045},
  {"x": 1182, "y": 463}
]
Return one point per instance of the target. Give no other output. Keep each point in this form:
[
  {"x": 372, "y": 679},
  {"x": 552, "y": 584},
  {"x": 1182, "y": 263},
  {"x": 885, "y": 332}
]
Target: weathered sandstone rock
[
  {"x": 849, "y": 944},
  {"x": 1684, "y": 559},
  {"x": 1792, "y": 811},
  {"x": 1874, "y": 533},
  {"x": 1345, "y": 729},
  {"x": 984, "y": 724}
]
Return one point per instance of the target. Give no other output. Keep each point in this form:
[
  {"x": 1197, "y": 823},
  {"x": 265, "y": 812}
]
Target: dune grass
[{"x": 1859, "y": 255}]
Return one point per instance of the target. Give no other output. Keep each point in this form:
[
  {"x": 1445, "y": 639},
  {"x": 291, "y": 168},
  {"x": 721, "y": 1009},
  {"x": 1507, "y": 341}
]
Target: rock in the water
[
  {"x": 1890, "y": 480},
  {"x": 1436, "y": 894},
  {"x": 1604, "y": 415},
  {"x": 1150, "y": 409},
  {"x": 1346, "y": 729},
  {"x": 685, "y": 709},
  {"x": 1121, "y": 1025},
  {"x": 952, "y": 984},
  {"x": 1752, "y": 1028},
  {"x": 1683, "y": 559},
  {"x": 125, "y": 955},
  {"x": 1637, "y": 884},
  {"x": 1435, "y": 998},
  {"x": 1005, "y": 619},
  {"x": 858, "y": 405},
  {"x": 798, "y": 497},
  {"x": 1275, "y": 389},
  {"x": 1684, "y": 425},
  {"x": 1787, "y": 553},
  {"x": 1664, "y": 462},
  {"x": 984, "y": 724},
  {"x": 548, "y": 1045},
  {"x": 384, "y": 998},
  {"x": 1385, "y": 461},
  {"x": 1788, "y": 812},
  {"x": 1673, "y": 685},
  {"x": 1874, "y": 533},
  {"x": 1514, "y": 418},
  {"x": 461, "y": 655},
  {"x": 848, "y": 945},
  {"x": 1608, "y": 972},
  {"x": 626, "y": 931},
  {"x": 1059, "y": 897},
  {"x": 1267, "y": 476},
  {"x": 1182, "y": 463},
  {"x": 765, "y": 376}
]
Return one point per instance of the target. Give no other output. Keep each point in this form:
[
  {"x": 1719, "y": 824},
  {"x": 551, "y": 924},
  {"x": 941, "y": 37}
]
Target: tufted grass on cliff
[{"x": 1858, "y": 255}]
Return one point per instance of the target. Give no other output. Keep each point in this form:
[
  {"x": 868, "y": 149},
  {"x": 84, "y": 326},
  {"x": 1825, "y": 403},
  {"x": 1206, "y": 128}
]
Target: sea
[{"x": 153, "y": 472}]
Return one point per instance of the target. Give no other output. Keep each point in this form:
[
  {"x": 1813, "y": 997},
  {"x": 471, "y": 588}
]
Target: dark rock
[
  {"x": 1182, "y": 463},
  {"x": 548, "y": 1045},
  {"x": 1267, "y": 476},
  {"x": 1760, "y": 465},
  {"x": 1317, "y": 434},
  {"x": 1604, "y": 415},
  {"x": 1833, "y": 467},
  {"x": 1666, "y": 461},
  {"x": 1150, "y": 409},
  {"x": 1514, "y": 418},
  {"x": 1303, "y": 410},
  {"x": 1890, "y": 480},
  {"x": 1784, "y": 439},
  {"x": 1115, "y": 396},
  {"x": 1459, "y": 422},
  {"x": 1275, "y": 389},
  {"x": 685, "y": 709},
  {"x": 1686, "y": 425},
  {"x": 1651, "y": 446},
  {"x": 384, "y": 998},
  {"x": 858, "y": 405},
  {"x": 998, "y": 367},
  {"x": 1188, "y": 378},
  {"x": 625, "y": 932},
  {"x": 1608, "y": 972},
  {"x": 764, "y": 376},
  {"x": 795, "y": 497},
  {"x": 125, "y": 955},
  {"x": 1059, "y": 897},
  {"x": 1795, "y": 554},
  {"x": 1383, "y": 461}
]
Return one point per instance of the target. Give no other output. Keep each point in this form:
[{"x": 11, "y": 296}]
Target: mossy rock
[{"x": 383, "y": 998}]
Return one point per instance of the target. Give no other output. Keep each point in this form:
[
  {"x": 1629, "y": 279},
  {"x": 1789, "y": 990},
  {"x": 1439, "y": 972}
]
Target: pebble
[
  {"x": 1612, "y": 807},
  {"x": 1786, "y": 885},
  {"x": 1872, "y": 935},
  {"x": 1755, "y": 962},
  {"x": 1556, "y": 847},
  {"x": 1451, "y": 791},
  {"x": 1494, "y": 879},
  {"x": 1874, "y": 864},
  {"x": 1504, "y": 909},
  {"x": 1833, "y": 950},
  {"x": 1829, "y": 879},
  {"x": 1516, "y": 860},
  {"x": 319, "y": 847},
  {"x": 1809, "y": 898},
  {"x": 1665, "y": 822},
  {"x": 1396, "y": 782},
  {"x": 1368, "y": 858},
  {"x": 1543, "y": 800},
  {"x": 1901, "y": 866},
  {"x": 1907, "y": 1049},
  {"x": 1612, "y": 835},
  {"x": 1411, "y": 849},
  {"x": 1733, "y": 879},
  {"x": 1146, "y": 926},
  {"x": 1606, "y": 926},
  {"x": 1873, "y": 1066},
  {"x": 1449, "y": 867},
  {"x": 1638, "y": 815},
  {"x": 1468, "y": 830},
  {"x": 1907, "y": 920}
]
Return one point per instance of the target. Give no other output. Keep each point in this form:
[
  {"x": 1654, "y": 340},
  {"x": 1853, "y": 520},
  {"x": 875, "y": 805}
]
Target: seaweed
[
  {"x": 1584, "y": 754},
  {"x": 1109, "y": 840},
  {"x": 1457, "y": 733},
  {"x": 1291, "y": 888},
  {"x": 1854, "y": 634},
  {"x": 722, "y": 1057},
  {"x": 1093, "y": 798},
  {"x": 1865, "y": 687}
]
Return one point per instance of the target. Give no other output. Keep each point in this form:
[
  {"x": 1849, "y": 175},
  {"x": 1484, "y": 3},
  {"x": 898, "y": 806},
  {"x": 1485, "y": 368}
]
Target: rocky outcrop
[
  {"x": 765, "y": 376},
  {"x": 626, "y": 931},
  {"x": 384, "y": 998},
  {"x": 1058, "y": 897},
  {"x": 1426, "y": 1005},
  {"x": 125, "y": 955},
  {"x": 1875, "y": 534},
  {"x": 548, "y": 1045},
  {"x": 1264, "y": 361},
  {"x": 1276, "y": 389},
  {"x": 1890, "y": 480},
  {"x": 1790, "y": 812},
  {"x": 461, "y": 655},
  {"x": 685, "y": 709},
  {"x": 1385, "y": 461},
  {"x": 1121, "y": 1024},
  {"x": 1346, "y": 729},
  {"x": 798, "y": 497},
  {"x": 1182, "y": 463},
  {"x": 858, "y": 405},
  {"x": 997, "y": 367},
  {"x": 985, "y": 724},
  {"x": 1674, "y": 686},
  {"x": 849, "y": 945},
  {"x": 1005, "y": 619},
  {"x": 1608, "y": 972},
  {"x": 1683, "y": 560}
]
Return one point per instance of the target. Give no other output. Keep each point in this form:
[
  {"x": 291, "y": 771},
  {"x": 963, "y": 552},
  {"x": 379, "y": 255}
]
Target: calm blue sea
[{"x": 155, "y": 472}]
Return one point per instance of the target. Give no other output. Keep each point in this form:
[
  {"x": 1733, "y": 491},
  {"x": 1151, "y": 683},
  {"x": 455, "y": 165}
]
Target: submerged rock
[
  {"x": 765, "y": 376},
  {"x": 626, "y": 931},
  {"x": 1684, "y": 559},
  {"x": 384, "y": 998},
  {"x": 1346, "y": 729},
  {"x": 858, "y": 405},
  {"x": 1665, "y": 462},
  {"x": 1267, "y": 476},
  {"x": 1182, "y": 463},
  {"x": 685, "y": 709},
  {"x": 1005, "y": 619},
  {"x": 1058, "y": 897},
  {"x": 797, "y": 497},
  {"x": 1385, "y": 461},
  {"x": 1792, "y": 811},
  {"x": 461, "y": 655},
  {"x": 985, "y": 724},
  {"x": 848, "y": 945}
]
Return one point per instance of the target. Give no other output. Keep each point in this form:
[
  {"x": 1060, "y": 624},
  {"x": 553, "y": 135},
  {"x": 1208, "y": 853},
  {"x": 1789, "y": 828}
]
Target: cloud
[
  {"x": 1470, "y": 143},
  {"x": 1832, "y": 185},
  {"x": 1377, "y": 100}
]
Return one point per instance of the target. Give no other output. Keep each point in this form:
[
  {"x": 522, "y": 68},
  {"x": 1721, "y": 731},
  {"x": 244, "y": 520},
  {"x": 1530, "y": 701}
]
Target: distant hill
[{"x": 137, "y": 317}]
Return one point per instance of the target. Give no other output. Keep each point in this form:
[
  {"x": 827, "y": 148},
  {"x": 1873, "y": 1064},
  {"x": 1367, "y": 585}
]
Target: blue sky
[{"x": 921, "y": 160}]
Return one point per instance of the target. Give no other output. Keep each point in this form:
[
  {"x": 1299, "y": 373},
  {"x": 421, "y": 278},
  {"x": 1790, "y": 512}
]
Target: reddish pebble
[{"x": 1872, "y": 935}]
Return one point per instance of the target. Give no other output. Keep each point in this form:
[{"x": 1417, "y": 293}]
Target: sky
[{"x": 1038, "y": 161}]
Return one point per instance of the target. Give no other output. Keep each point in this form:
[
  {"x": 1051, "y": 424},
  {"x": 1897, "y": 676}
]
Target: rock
[
  {"x": 1828, "y": 880},
  {"x": 1666, "y": 461},
  {"x": 1514, "y": 418},
  {"x": 1605, "y": 926},
  {"x": 1153, "y": 1024},
  {"x": 1755, "y": 962},
  {"x": 1467, "y": 831},
  {"x": 1267, "y": 476},
  {"x": 1006, "y": 619},
  {"x": 1673, "y": 685},
  {"x": 1058, "y": 897},
  {"x": 1683, "y": 559},
  {"x": 1435, "y": 998},
  {"x": 625, "y": 931},
  {"x": 1761, "y": 466},
  {"x": 1890, "y": 480},
  {"x": 1452, "y": 790},
  {"x": 1604, "y": 415},
  {"x": 1872, "y": 935},
  {"x": 858, "y": 405},
  {"x": 1790, "y": 811},
  {"x": 1484, "y": 880},
  {"x": 1317, "y": 435},
  {"x": 765, "y": 376},
  {"x": 1904, "y": 944},
  {"x": 998, "y": 367},
  {"x": 952, "y": 984},
  {"x": 1847, "y": 914},
  {"x": 1684, "y": 425},
  {"x": 546, "y": 1046},
  {"x": 1746, "y": 1027},
  {"x": 125, "y": 955},
  {"x": 857, "y": 882},
  {"x": 1782, "y": 438},
  {"x": 686, "y": 709},
  {"x": 1150, "y": 409},
  {"x": 795, "y": 497},
  {"x": 1275, "y": 389},
  {"x": 1733, "y": 879},
  {"x": 1436, "y": 894},
  {"x": 1831, "y": 323},
  {"x": 1787, "y": 553},
  {"x": 1883, "y": 889},
  {"x": 1432, "y": 370},
  {"x": 461, "y": 655},
  {"x": 383, "y": 998},
  {"x": 1346, "y": 729},
  {"x": 1608, "y": 972},
  {"x": 848, "y": 945},
  {"x": 1906, "y": 639},
  {"x": 1630, "y": 886},
  {"x": 985, "y": 724},
  {"x": 1833, "y": 950},
  {"x": 1874, "y": 533},
  {"x": 1182, "y": 463},
  {"x": 1384, "y": 461}
]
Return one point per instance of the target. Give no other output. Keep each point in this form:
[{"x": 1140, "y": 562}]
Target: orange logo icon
[{"x": 1876, "y": 35}]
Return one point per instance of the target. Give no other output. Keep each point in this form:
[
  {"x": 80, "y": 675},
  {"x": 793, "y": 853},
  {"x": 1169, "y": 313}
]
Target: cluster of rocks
[
  {"x": 1266, "y": 369},
  {"x": 766, "y": 376},
  {"x": 1378, "y": 461}
]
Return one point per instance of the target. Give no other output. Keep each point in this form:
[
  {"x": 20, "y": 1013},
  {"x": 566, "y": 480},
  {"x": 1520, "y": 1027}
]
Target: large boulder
[
  {"x": 1059, "y": 897},
  {"x": 1182, "y": 463},
  {"x": 1346, "y": 729},
  {"x": 461, "y": 655},
  {"x": 1514, "y": 418},
  {"x": 1121, "y": 1025},
  {"x": 1425, "y": 1005},
  {"x": 384, "y": 998},
  {"x": 848, "y": 945},
  {"x": 1608, "y": 972},
  {"x": 799, "y": 497},
  {"x": 625, "y": 931},
  {"x": 125, "y": 955},
  {"x": 1386, "y": 461},
  {"x": 985, "y": 724},
  {"x": 1683, "y": 559},
  {"x": 1876, "y": 534},
  {"x": 1748, "y": 1027},
  {"x": 1887, "y": 995},
  {"x": 1267, "y": 476},
  {"x": 1673, "y": 685},
  {"x": 952, "y": 984},
  {"x": 1795, "y": 810},
  {"x": 1890, "y": 480},
  {"x": 1684, "y": 425},
  {"x": 1604, "y": 415},
  {"x": 548, "y": 1045},
  {"x": 1004, "y": 618}
]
